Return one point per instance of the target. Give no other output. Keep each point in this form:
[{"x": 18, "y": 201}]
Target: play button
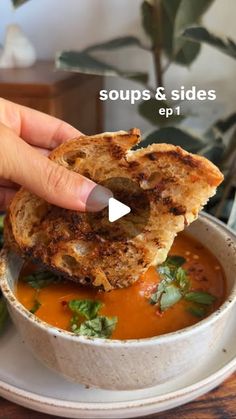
[
  {"x": 117, "y": 210},
  {"x": 126, "y": 215}
]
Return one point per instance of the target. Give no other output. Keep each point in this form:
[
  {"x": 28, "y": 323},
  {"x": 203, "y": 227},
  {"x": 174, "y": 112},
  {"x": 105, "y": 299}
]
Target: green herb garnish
[
  {"x": 35, "y": 307},
  {"x": 197, "y": 311},
  {"x": 100, "y": 327},
  {"x": 182, "y": 279},
  {"x": 94, "y": 325},
  {"x": 169, "y": 297},
  {"x": 201, "y": 297},
  {"x": 87, "y": 308},
  {"x": 41, "y": 279},
  {"x": 175, "y": 285},
  {"x": 165, "y": 273},
  {"x": 174, "y": 282},
  {"x": 3, "y": 313},
  {"x": 175, "y": 261}
]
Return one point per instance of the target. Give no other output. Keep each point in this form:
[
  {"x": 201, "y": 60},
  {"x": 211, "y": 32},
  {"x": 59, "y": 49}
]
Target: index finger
[{"x": 36, "y": 128}]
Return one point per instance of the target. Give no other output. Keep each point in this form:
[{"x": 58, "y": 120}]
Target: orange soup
[{"x": 141, "y": 310}]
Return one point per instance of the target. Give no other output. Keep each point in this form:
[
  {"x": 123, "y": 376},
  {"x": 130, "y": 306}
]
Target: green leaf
[
  {"x": 175, "y": 260},
  {"x": 84, "y": 63},
  {"x": 160, "y": 28},
  {"x": 17, "y": 3},
  {"x": 175, "y": 16},
  {"x": 184, "y": 51},
  {"x": 116, "y": 43},
  {"x": 149, "y": 109},
  {"x": 87, "y": 308},
  {"x": 188, "y": 53},
  {"x": 182, "y": 279},
  {"x": 223, "y": 125},
  {"x": 168, "y": 277},
  {"x": 155, "y": 297},
  {"x": 165, "y": 271},
  {"x": 177, "y": 136},
  {"x": 161, "y": 35},
  {"x": 3, "y": 314},
  {"x": 149, "y": 22},
  {"x": 169, "y": 10},
  {"x": 180, "y": 275},
  {"x": 41, "y": 279},
  {"x": 188, "y": 12},
  {"x": 100, "y": 327},
  {"x": 201, "y": 297},
  {"x": 170, "y": 296},
  {"x": 197, "y": 311},
  {"x": 201, "y": 34},
  {"x": 35, "y": 307}
]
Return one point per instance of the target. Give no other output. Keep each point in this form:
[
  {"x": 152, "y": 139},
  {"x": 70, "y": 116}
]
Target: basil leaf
[
  {"x": 174, "y": 260},
  {"x": 168, "y": 277},
  {"x": 182, "y": 279},
  {"x": 174, "y": 283},
  {"x": 100, "y": 327},
  {"x": 35, "y": 307},
  {"x": 165, "y": 271},
  {"x": 3, "y": 313},
  {"x": 170, "y": 296},
  {"x": 201, "y": 297},
  {"x": 87, "y": 308},
  {"x": 197, "y": 311},
  {"x": 42, "y": 279},
  {"x": 74, "y": 324},
  {"x": 155, "y": 297}
]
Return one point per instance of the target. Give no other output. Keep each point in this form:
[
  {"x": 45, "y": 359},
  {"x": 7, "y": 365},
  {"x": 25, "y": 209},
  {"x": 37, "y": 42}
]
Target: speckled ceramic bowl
[{"x": 131, "y": 364}]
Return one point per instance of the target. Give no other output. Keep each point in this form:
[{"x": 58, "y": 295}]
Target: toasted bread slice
[{"x": 176, "y": 183}]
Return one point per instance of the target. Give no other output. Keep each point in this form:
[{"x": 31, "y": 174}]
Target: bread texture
[{"x": 176, "y": 183}]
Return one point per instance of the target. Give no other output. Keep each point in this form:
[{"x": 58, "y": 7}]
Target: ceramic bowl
[{"x": 130, "y": 364}]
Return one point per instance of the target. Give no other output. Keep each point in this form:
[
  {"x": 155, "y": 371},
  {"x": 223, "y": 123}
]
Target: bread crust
[{"x": 176, "y": 183}]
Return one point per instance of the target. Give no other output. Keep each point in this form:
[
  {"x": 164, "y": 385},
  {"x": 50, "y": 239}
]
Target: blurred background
[
  {"x": 54, "y": 25},
  {"x": 145, "y": 34}
]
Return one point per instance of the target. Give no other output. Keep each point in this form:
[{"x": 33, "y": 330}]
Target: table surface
[
  {"x": 37, "y": 81},
  {"x": 220, "y": 403}
]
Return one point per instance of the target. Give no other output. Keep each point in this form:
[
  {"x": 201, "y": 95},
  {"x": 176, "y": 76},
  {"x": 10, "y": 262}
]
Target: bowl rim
[{"x": 154, "y": 340}]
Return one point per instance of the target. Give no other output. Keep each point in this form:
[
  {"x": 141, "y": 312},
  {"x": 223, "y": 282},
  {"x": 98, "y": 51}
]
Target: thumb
[{"x": 22, "y": 164}]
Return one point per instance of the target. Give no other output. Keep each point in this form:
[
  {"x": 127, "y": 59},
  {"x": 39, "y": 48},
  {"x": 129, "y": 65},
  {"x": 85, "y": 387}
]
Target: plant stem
[{"x": 157, "y": 47}]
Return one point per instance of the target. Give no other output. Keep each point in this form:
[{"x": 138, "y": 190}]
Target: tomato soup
[{"x": 136, "y": 316}]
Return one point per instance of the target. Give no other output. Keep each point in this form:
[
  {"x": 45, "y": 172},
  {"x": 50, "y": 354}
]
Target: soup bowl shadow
[{"x": 130, "y": 364}]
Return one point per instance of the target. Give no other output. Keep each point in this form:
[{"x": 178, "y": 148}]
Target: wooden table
[
  {"x": 218, "y": 404},
  {"x": 70, "y": 96}
]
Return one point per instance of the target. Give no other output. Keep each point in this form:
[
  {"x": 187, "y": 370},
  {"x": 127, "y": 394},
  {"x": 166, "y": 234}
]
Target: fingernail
[{"x": 98, "y": 198}]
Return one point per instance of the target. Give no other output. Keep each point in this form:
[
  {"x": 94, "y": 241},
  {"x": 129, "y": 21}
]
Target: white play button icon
[
  {"x": 116, "y": 210},
  {"x": 127, "y": 203}
]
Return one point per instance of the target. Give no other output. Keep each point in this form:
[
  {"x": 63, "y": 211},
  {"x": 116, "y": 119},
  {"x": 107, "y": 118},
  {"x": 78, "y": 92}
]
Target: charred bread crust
[{"x": 176, "y": 183}]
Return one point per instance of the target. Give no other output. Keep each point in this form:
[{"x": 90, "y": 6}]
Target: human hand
[{"x": 26, "y": 138}]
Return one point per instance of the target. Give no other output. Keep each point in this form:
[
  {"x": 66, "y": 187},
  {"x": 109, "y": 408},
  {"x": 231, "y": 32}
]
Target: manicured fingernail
[{"x": 98, "y": 198}]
